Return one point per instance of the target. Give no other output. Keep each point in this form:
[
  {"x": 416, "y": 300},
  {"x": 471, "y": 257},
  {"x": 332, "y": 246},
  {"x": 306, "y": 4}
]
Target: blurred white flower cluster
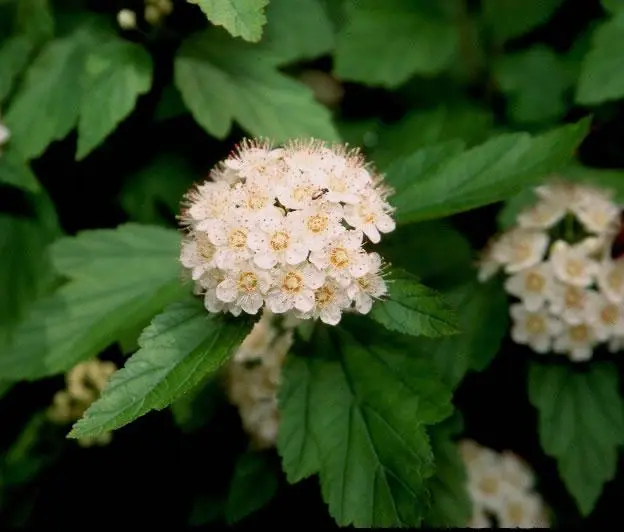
[
  {"x": 500, "y": 486},
  {"x": 559, "y": 265},
  {"x": 5, "y": 135},
  {"x": 154, "y": 12},
  {"x": 84, "y": 383},
  {"x": 253, "y": 378},
  {"x": 287, "y": 228}
]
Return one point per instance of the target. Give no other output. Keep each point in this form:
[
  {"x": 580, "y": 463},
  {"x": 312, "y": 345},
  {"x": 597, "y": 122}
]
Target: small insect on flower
[{"x": 299, "y": 219}]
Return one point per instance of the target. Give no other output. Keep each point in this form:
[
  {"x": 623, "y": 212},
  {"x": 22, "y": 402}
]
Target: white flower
[
  {"x": 479, "y": 518},
  {"x": 343, "y": 259},
  {"x": 329, "y": 302},
  {"x": 608, "y": 318},
  {"x": 535, "y": 329},
  {"x": 318, "y": 224},
  {"x": 294, "y": 288},
  {"x": 516, "y": 472},
  {"x": 346, "y": 185},
  {"x": 595, "y": 209},
  {"x": 370, "y": 215},
  {"x": 558, "y": 192},
  {"x": 611, "y": 280},
  {"x": 126, "y": 19},
  {"x": 486, "y": 486},
  {"x": 210, "y": 201},
  {"x": 279, "y": 241},
  {"x": 577, "y": 341},
  {"x": 209, "y": 281},
  {"x": 253, "y": 160},
  {"x": 572, "y": 304},
  {"x": 521, "y": 510},
  {"x": 365, "y": 289},
  {"x": 542, "y": 215},
  {"x": 616, "y": 343},
  {"x": 231, "y": 240},
  {"x": 244, "y": 287},
  {"x": 519, "y": 249},
  {"x": 532, "y": 285},
  {"x": 197, "y": 254},
  {"x": 5, "y": 135},
  {"x": 571, "y": 264}
]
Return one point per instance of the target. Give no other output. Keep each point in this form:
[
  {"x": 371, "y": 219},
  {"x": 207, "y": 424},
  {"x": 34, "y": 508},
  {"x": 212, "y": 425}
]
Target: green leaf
[
  {"x": 613, "y": 6},
  {"x": 222, "y": 80},
  {"x": 118, "y": 278},
  {"x": 14, "y": 55},
  {"x": 438, "y": 181},
  {"x": 412, "y": 308},
  {"x": 253, "y": 485},
  {"x": 581, "y": 425},
  {"x": 304, "y": 32},
  {"x": 241, "y": 18},
  {"x": 602, "y": 78},
  {"x": 535, "y": 82},
  {"x": 35, "y": 18},
  {"x": 511, "y": 18},
  {"x": 416, "y": 40},
  {"x": 5, "y": 387},
  {"x": 451, "y": 506},
  {"x": 157, "y": 189},
  {"x": 358, "y": 418},
  {"x": 418, "y": 129},
  {"x": 116, "y": 74},
  {"x": 182, "y": 346},
  {"x": 17, "y": 173},
  {"x": 483, "y": 324},
  {"x": 25, "y": 269},
  {"x": 45, "y": 107},
  {"x": 206, "y": 509}
]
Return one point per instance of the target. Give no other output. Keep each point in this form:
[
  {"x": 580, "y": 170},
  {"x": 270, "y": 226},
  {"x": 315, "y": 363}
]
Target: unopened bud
[{"x": 126, "y": 19}]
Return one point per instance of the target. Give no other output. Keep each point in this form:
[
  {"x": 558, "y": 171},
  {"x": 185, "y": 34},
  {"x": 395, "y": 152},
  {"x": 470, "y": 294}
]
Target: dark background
[{"x": 151, "y": 472}]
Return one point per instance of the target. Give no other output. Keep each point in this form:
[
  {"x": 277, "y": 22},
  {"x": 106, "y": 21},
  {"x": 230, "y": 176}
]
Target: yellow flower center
[
  {"x": 515, "y": 512},
  {"x": 535, "y": 324},
  {"x": 238, "y": 239},
  {"x": 574, "y": 268},
  {"x": 615, "y": 279},
  {"x": 247, "y": 282},
  {"x": 579, "y": 333},
  {"x": 317, "y": 223},
  {"x": 293, "y": 282},
  {"x": 300, "y": 193},
  {"x": 204, "y": 247},
  {"x": 279, "y": 241},
  {"x": 323, "y": 295},
  {"x": 573, "y": 298},
  {"x": 609, "y": 314},
  {"x": 339, "y": 258},
  {"x": 489, "y": 485},
  {"x": 535, "y": 282}
]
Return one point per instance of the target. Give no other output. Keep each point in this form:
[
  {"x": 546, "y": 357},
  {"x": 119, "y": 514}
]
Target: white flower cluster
[
  {"x": 5, "y": 135},
  {"x": 253, "y": 378},
  {"x": 500, "y": 486},
  {"x": 286, "y": 228},
  {"x": 558, "y": 259},
  {"x": 84, "y": 383}
]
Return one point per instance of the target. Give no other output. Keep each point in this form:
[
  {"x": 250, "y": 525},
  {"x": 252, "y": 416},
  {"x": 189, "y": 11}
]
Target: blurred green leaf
[
  {"x": 14, "y": 56},
  {"x": 118, "y": 278},
  {"x": 241, "y": 18},
  {"x": 535, "y": 82},
  {"x": 581, "y": 425},
  {"x": 358, "y": 417},
  {"x": 412, "y": 308},
  {"x": 222, "y": 80},
  {"x": 35, "y": 19},
  {"x": 613, "y": 5},
  {"x": 182, "y": 346},
  {"x": 602, "y": 71},
  {"x": 17, "y": 173},
  {"x": 296, "y": 32},
  {"x": 511, "y": 18},
  {"x": 253, "y": 485},
  {"x": 451, "y": 505},
  {"x": 116, "y": 74},
  {"x": 46, "y": 106},
  {"x": 419, "y": 129},
  {"x": 416, "y": 40},
  {"x": 438, "y": 181},
  {"x": 483, "y": 321},
  {"x": 194, "y": 410}
]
